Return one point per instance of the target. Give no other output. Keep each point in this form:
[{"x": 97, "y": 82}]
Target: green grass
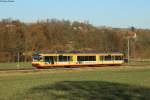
[
  {"x": 139, "y": 62},
  {"x": 122, "y": 83},
  {"x": 15, "y": 65}
]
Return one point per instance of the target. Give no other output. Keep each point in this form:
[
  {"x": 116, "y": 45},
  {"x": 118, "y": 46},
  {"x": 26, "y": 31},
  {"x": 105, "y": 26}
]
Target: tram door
[{"x": 51, "y": 59}]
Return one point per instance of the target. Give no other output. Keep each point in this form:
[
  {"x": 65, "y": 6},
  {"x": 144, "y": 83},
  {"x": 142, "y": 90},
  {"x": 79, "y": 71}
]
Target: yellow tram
[{"x": 66, "y": 59}]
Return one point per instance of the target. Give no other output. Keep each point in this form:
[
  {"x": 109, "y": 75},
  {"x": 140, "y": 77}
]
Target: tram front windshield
[{"x": 36, "y": 58}]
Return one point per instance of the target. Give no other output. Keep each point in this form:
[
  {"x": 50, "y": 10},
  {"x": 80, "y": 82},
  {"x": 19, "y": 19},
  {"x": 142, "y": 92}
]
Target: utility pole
[
  {"x": 128, "y": 50},
  {"x": 129, "y": 37},
  {"x": 18, "y": 59}
]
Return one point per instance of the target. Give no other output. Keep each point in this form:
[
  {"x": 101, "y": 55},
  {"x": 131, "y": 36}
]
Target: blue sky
[{"x": 115, "y": 13}]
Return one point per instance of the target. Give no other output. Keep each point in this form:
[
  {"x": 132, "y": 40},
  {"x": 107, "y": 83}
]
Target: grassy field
[
  {"x": 121, "y": 83},
  {"x": 15, "y": 65}
]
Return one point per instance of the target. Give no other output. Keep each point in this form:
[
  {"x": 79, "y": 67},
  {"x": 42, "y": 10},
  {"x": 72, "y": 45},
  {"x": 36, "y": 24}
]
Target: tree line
[{"x": 59, "y": 35}]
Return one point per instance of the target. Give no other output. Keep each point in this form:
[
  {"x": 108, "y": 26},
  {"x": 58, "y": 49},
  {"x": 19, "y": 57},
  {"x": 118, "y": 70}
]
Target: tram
[{"x": 69, "y": 59}]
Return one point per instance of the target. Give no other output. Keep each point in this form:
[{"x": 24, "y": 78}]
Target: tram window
[
  {"x": 80, "y": 58},
  {"x": 55, "y": 58},
  {"x": 37, "y": 58},
  {"x": 65, "y": 58},
  {"x": 108, "y": 58},
  {"x": 47, "y": 59},
  {"x": 92, "y": 58},
  {"x": 118, "y": 57},
  {"x": 69, "y": 58},
  {"x": 86, "y": 58},
  {"x": 50, "y": 58},
  {"x": 112, "y": 57},
  {"x": 102, "y": 58}
]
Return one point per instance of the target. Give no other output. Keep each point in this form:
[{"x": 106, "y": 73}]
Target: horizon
[{"x": 109, "y": 13}]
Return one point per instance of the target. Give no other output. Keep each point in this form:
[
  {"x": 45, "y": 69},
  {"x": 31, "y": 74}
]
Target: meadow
[
  {"x": 14, "y": 65},
  {"x": 106, "y": 83}
]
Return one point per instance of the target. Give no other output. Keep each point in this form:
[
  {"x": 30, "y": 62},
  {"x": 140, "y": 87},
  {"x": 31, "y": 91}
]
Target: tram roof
[{"x": 86, "y": 52}]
